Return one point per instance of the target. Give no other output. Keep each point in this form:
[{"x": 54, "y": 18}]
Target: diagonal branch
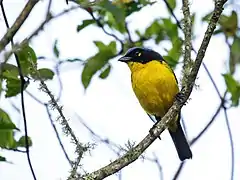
[
  {"x": 204, "y": 65},
  {"x": 187, "y": 33},
  {"x": 49, "y": 18},
  {"x": 17, "y": 24},
  {"x": 57, "y": 134},
  {"x": 135, "y": 152}
]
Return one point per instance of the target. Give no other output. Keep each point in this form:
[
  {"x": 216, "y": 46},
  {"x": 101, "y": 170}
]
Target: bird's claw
[
  {"x": 180, "y": 97},
  {"x": 151, "y": 131}
]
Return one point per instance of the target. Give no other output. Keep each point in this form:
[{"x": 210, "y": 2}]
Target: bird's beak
[{"x": 125, "y": 59}]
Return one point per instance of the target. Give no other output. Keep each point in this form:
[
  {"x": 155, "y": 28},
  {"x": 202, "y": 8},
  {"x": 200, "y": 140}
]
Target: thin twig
[
  {"x": 16, "y": 150},
  {"x": 111, "y": 145},
  {"x": 227, "y": 120},
  {"x": 5, "y": 40},
  {"x": 179, "y": 170},
  {"x": 57, "y": 134},
  {"x": 80, "y": 149},
  {"x": 17, "y": 24},
  {"x": 37, "y": 30},
  {"x": 128, "y": 33},
  {"x": 49, "y": 7},
  {"x": 231, "y": 142},
  {"x": 188, "y": 35},
  {"x": 105, "y": 31},
  {"x": 160, "y": 169},
  {"x": 59, "y": 81},
  {"x": 34, "y": 97}
]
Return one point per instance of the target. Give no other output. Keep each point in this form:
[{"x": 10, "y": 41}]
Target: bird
[{"x": 155, "y": 86}]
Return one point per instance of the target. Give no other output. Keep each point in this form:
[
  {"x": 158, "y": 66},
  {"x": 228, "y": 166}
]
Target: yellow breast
[{"x": 154, "y": 85}]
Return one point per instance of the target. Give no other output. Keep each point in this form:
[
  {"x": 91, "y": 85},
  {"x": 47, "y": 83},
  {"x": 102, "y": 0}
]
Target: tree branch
[
  {"x": 135, "y": 152},
  {"x": 204, "y": 65},
  {"x": 17, "y": 24},
  {"x": 49, "y": 17},
  {"x": 187, "y": 43},
  {"x": 57, "y": 134}
]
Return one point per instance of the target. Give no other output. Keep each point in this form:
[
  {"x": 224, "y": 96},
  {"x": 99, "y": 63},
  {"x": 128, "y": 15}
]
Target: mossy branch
[{"x": 135, "y": 152}]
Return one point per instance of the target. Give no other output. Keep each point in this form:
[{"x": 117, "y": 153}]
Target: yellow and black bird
[{"x": 156, "y": 86}]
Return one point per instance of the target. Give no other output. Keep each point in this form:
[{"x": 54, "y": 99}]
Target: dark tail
[{"x": 180, "y": 142}]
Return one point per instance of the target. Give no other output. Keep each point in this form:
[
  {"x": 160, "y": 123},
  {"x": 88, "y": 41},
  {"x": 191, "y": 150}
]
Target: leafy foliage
[
  {"x": 228, "y": 24},
  {"x": 84, "y": 24},
  {"x": 7, "y": 139},
  {"x": 234, "y": 54},
  {"x": 104, "y": 74},
  {"x": 98, "y": 61},
  {"x": 233, "y": 88},
  {"x": 22, "y": 143},
  {"x": 44, "y": 73},
  {"x": 6, "y": 131},
  {"x": 28, "y": 62}
]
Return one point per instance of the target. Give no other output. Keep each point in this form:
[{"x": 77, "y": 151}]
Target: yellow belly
[{"x": 155, "y": 86}]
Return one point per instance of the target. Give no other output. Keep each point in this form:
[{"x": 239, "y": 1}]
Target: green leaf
[
  {"x": 98, "y": 61},
  {"x": 234, "y": 54},
  {"x": 155, "y": 31},
  {"x": 170, "y": 28},
  {"x": 117, "y": 12},
  {"x": 233, "y": 87},
  {"x": 6, "y": 130},
  {"x": 171, "y": 61},
  {"x": 12, "y": 69},
  {"x": 45, "y": 74},
  {"x": 27, "y": 59},
  {"x": 113, "y": 15},
  {"x": 207, "y": 17},
  {"x": 5, "y": 121},
  {"x": 55, "y": 49},
  {"x": 110, "y": 47},
  {"x": 2, "y": 158},
  {"x": 135, "y": 6},
  {"x": 104, "y": 74},
  {"x": 7, "y": 139},
  {"x": 172, "y": 4},
  {"x": 13, "y": 84},
  {"x": 21, "y": 142},
  {"x": 175, "y": 52},
  {"x": 113, "y": 47},
  {"x": 217, "y": 31},
  {"x": 1, "y": 89},
  {"x": 229, "y": 24},
  {"x": 84, "y": 24}
]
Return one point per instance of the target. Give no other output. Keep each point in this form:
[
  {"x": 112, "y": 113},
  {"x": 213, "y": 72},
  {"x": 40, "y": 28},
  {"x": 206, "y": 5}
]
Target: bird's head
[{"x": 140, "y": 55}]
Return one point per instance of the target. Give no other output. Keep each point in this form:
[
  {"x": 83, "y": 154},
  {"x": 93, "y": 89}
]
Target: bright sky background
[{"x": 110, "y": 107}]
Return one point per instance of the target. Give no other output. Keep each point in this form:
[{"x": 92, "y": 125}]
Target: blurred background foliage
[{"x": 110, "y": 16}]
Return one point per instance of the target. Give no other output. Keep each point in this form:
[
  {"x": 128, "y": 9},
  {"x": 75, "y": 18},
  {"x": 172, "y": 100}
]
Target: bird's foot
[
  {"x": 180, "y": 97},
  {"x": 151, "y": 131}
]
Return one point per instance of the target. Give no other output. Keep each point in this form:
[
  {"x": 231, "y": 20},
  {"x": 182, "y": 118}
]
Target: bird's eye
[{"x": 138, "y": 54}]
